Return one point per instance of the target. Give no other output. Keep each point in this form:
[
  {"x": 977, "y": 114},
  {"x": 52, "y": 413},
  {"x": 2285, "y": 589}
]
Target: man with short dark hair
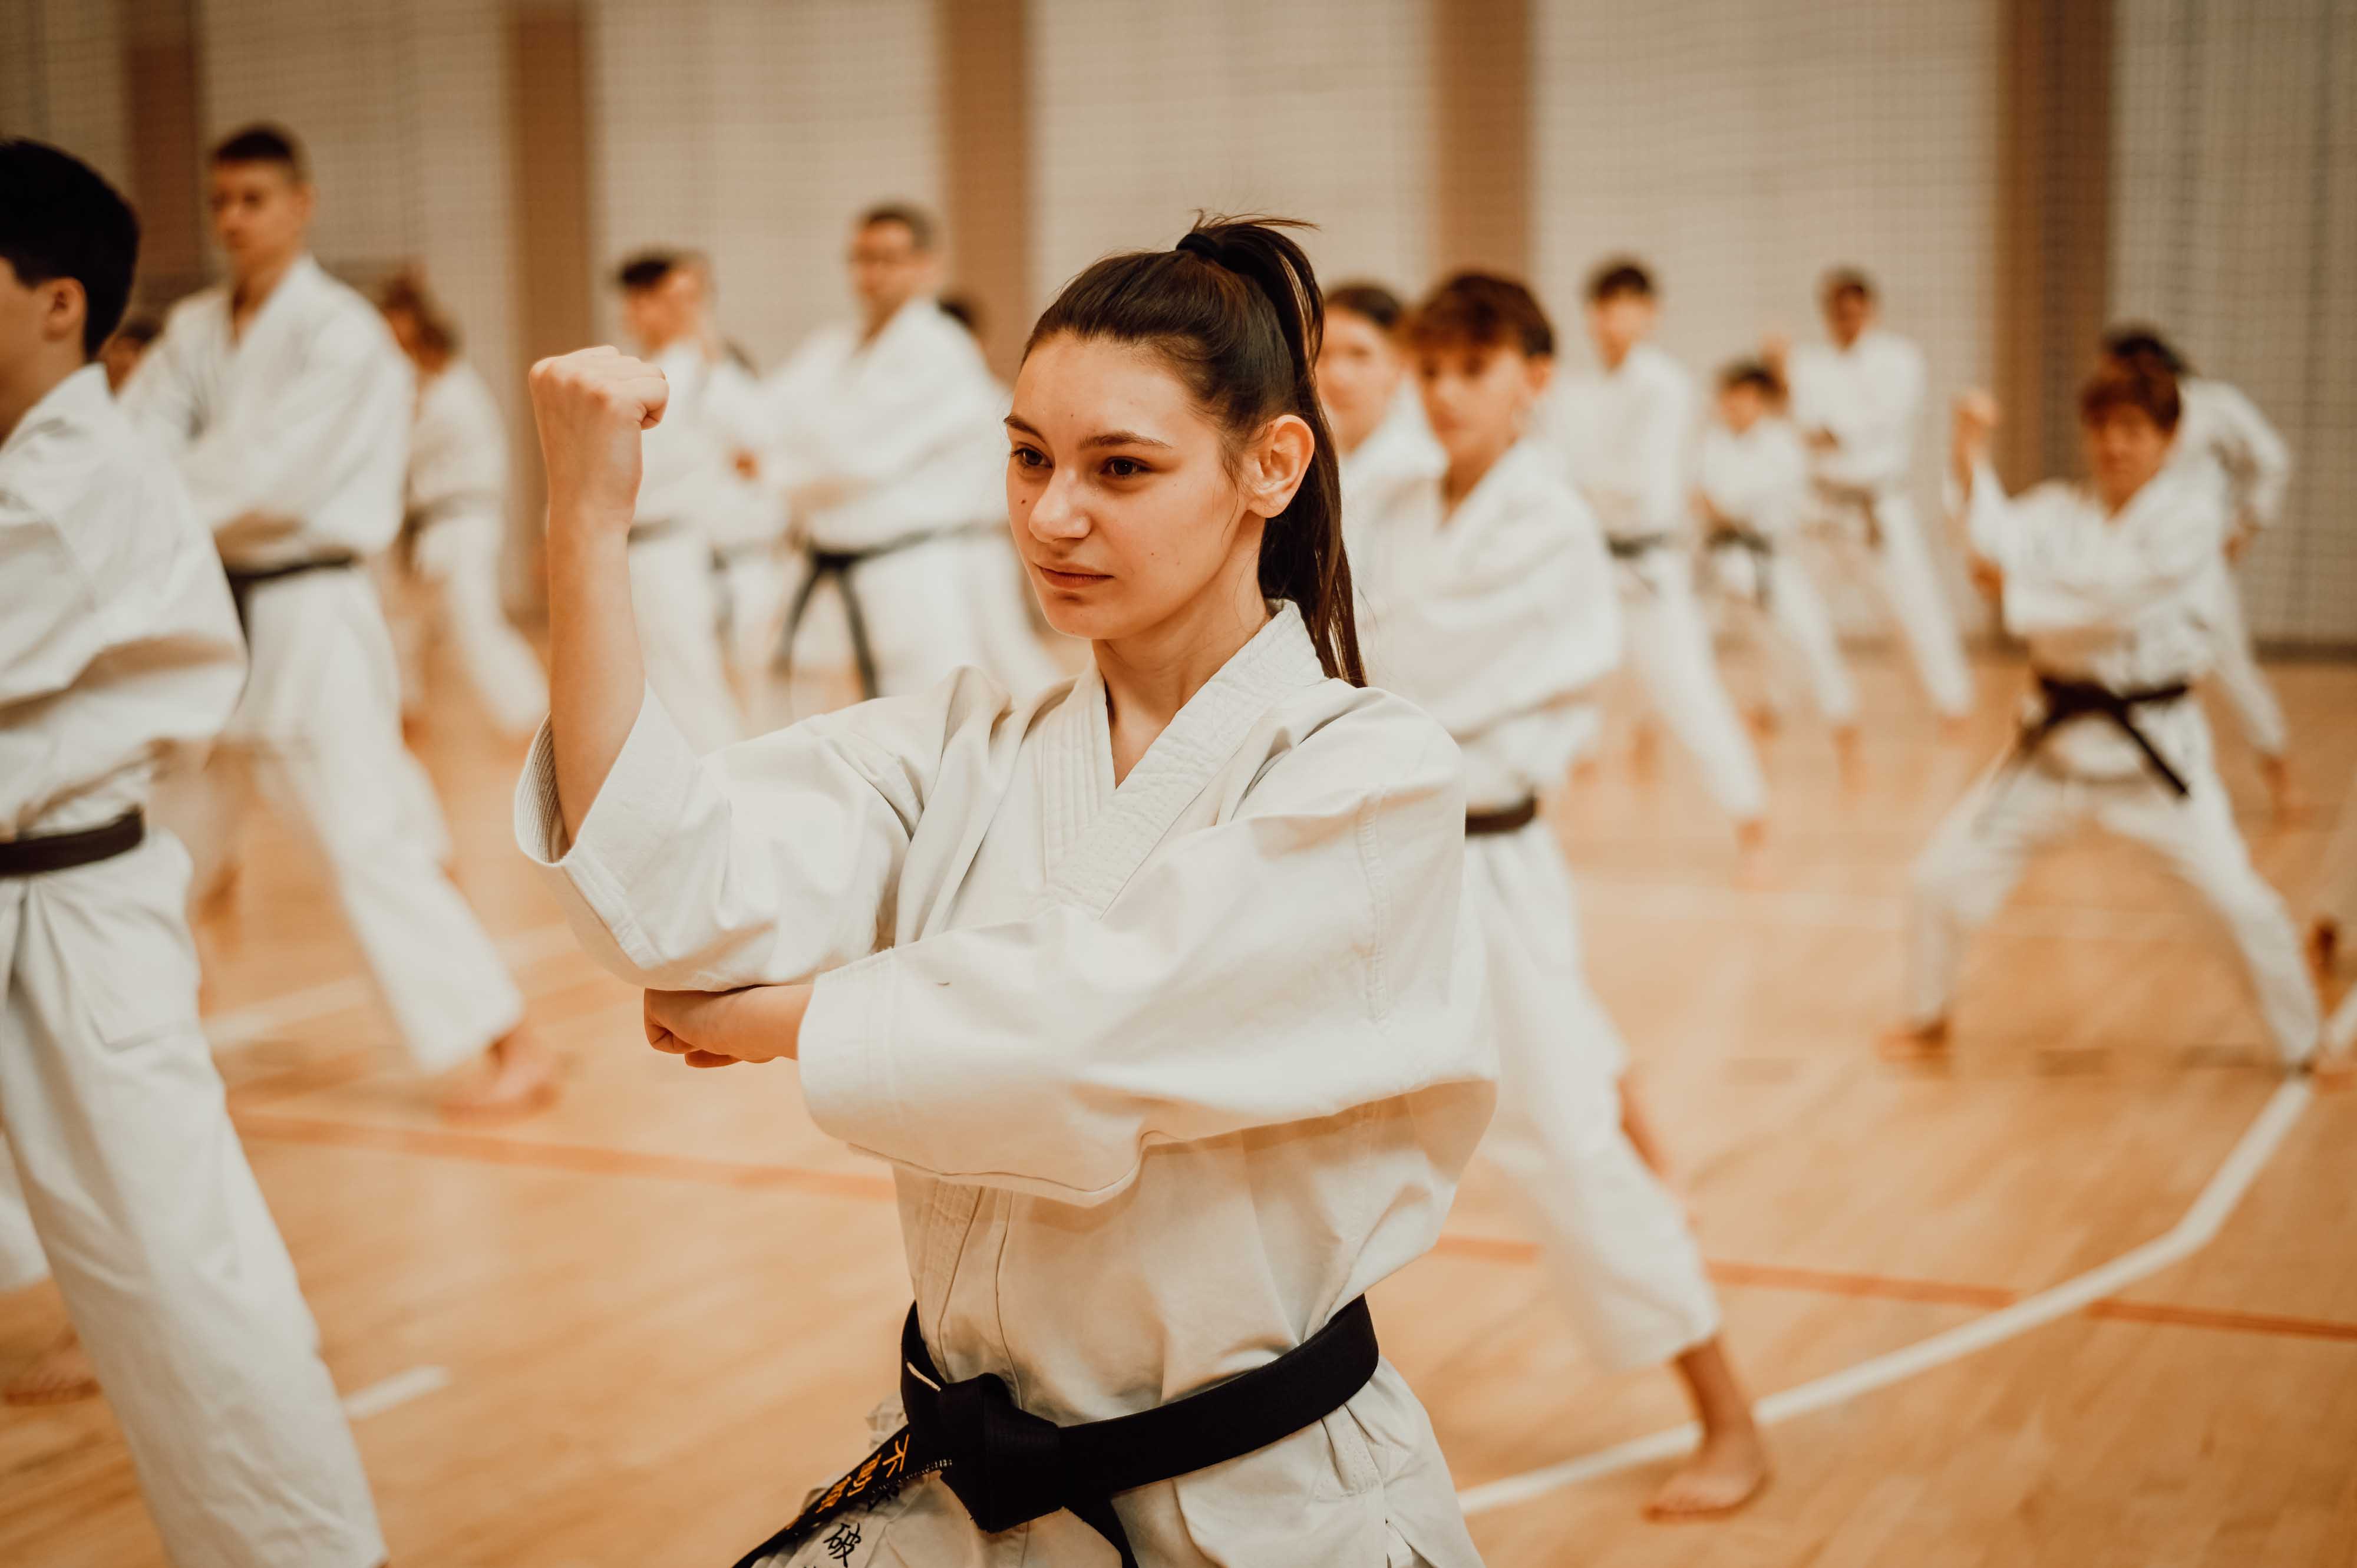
[
  {"x": 890, "y": 452},
  {"x": 1857, "y": 399},
  {"x": 119, "y": 651},
  {"x": 286, "y": 405}
]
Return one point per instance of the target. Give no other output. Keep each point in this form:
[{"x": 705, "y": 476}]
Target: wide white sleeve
[
  {"x": 763, "y": 863},
  {"x": 286, "y": 453},
  {"x": 52, "y": 622},
  {"x": 2254, "y": 455},
  {"x": 1874, "y": 431},
  {"x": 2058, "y": 578},
  {"x": 1294, "y": 962},
  {"x": 160, "y": 398}
]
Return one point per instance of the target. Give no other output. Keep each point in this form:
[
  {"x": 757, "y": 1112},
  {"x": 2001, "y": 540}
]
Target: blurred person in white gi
[
  {"x": 445, "y": 565},
  {"x": 1752, "y": 492},
  {"x": 127, "y": 347},
  {"x": 1626, "y": 431},
  {"x": 880, "y": 425},
  {"x": 119, "y": 650},
  {"x": 2224, "y": 429},
  {"x": 286, "y": 405},
  {"x": 692, "y": 485},
  {"x": 1492, "y": 603},
  {"x": 1371, "y": 402},
  {"x": 2108, "y": 582},
  {"x": 1151, "y": 986},
  {"x": 1857, "y": 400}
]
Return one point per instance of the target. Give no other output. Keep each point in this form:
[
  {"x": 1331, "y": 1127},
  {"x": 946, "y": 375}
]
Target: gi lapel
[{"x": 1182, "y": 760}]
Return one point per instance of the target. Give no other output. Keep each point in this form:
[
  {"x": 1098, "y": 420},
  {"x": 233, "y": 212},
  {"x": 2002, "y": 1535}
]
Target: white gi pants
[
  {"x": 1793, "y": 627},
  {"x": 1910, "y": 582},
  {"x": 752, "y": 590},
  {"x": 318, "y": 734},
  {"x": 1979, "y": 852},
  {"x": 124, "y": 1171},
  {"x": 2235, "y": 668},
  {"x": 1616, "y": 1241},
  {"x": 678, "y": 612},
  {"x": 453, "y": 591},
  {"x": 1669, "y": 646}
]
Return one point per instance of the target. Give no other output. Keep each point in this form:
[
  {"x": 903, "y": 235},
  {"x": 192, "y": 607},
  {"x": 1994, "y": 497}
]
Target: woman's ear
[{"x": 1277, "y": 463}]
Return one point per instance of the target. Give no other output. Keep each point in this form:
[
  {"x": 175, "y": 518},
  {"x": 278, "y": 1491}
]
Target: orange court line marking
[{"x": 595, "y": 1160}]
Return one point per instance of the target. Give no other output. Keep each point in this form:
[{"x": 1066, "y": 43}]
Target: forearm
[{"x": 596, "y": 680}]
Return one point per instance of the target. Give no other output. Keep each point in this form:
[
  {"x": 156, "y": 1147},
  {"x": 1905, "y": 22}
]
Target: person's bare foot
[
  {"x": 2324, "y": 945},
  {"x": 1765, "y": 722},
  {"x": 58, "y": 1375},
  {"x": 1751, "y": 851},
  {"x": 1955, "y": 728},
  {"x": 1722, "y": 1475},
  {"x": 1915, "y": 1043},
  {"x": 515, "y": 1078},
  {"x": 2331, "y": 1071},
  {"x": 2283, "y": 790}
]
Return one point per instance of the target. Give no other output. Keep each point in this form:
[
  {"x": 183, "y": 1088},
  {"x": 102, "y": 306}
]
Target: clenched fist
[
  {"x": 590, "y": 406},
  {"x": 1977, "y": 414}
]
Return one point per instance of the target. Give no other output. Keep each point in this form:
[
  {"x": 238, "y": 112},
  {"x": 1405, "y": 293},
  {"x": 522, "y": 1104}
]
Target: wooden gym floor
[{"x": 632, "y": 1330}]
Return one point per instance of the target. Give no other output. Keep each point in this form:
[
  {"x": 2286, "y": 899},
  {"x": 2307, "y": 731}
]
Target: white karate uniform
[
  {"x": 1398, "y": 452},
  {"x": 293, "y": 442},
  {"x": 1760, "y": 481},
  {"x": 746, "y": 526},
  {"x": 446, "y": 576},
  {"x": 1625, "y": 435},
  {"x": 2220, "y": 428},
  {"x": 1496, "y": 619},
  {"x": 1869, "y": 396},
  {"x": 906, "y": 429},
  {"x": 687, "y": 490},
  {"x": 1168, "y": 1073},
  {"x": 118, "y": 646},
  {"x": 2119, "y": 601}
]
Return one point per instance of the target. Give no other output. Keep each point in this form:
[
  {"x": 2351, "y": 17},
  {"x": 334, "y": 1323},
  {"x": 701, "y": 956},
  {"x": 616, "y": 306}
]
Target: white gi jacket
[
  {"x": 2119, "y": 601},
  {"x": 1759, "y": 481},
  {"x": 146, "y": 643},
  {"x": 458, "y": 455},
  {"x": 1494, "y": 620},
  {"x": 1398, "y": 452},
  {"x": 293, "y": 441},
  {"x": 1168, "y": 1073},
  {"x": 1627, "y": 436},
  {"x": 1870, "y": 396},
  {"x": 2219, "y": 426}
]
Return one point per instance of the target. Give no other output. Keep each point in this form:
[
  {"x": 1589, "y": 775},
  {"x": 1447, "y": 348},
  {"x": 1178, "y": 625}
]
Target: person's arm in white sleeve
[
  {"x": 1874, "y": 432},
  {"x": 52, "y": 623},
  {"x": 2256, "y": 457}
]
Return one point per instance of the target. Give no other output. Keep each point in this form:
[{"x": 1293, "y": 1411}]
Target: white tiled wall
[{"x": 61, "y": 81}]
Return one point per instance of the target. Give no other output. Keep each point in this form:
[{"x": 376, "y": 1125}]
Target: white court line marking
[
  {"x": 396, "y": 1389},
  {"x": 242, "y": 1027},
  {"x": 2200, "y": 1225}
]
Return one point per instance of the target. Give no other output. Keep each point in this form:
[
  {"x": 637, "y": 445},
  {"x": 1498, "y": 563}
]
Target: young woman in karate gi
[
  {"x": 1150, "y": 987},
  {"x": 1492, "y": 604}
]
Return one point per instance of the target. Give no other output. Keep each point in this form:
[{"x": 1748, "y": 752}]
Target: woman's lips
[{"x": 1065, "y": 579}]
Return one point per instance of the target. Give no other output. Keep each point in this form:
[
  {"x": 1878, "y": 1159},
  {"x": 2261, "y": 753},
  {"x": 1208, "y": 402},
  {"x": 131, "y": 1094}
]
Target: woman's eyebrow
[{"x": 1015, "y": 421}]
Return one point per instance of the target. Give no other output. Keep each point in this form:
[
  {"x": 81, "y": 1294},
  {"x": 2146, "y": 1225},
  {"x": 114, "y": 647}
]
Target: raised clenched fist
[{"x": 590, "y": 406}]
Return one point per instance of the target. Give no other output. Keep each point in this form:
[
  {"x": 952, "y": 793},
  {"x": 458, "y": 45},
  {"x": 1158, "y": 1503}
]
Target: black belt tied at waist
[
  {"x": 245, "y": 580},
  {"x": 1009, "y": 1466},
  {"x": 2066, "y": 700},
  {"x": 1636, "y": 546},
  {"x": 836, "y": 565},
  {"x": 1735, "y": 536},
  {"x": 1511, "y": 819},
  {"x": 63, "y": 852}
]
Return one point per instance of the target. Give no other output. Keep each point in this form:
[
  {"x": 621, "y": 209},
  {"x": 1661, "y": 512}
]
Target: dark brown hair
[
  {"x": 1482, "y": 310},
  {"x": 2145, "y": 385},
  {"x": 1619, "y": 276},
  {"x": 405, "y": 292},
  {"x": 1370, "y": 300},
  {"x": 1235, "y": 314},
  {"x": 263, "y": 143}
]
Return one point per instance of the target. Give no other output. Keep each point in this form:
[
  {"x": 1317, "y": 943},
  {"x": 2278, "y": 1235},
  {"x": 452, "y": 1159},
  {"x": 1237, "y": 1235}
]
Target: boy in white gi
[
  {"x": 1492, "y": 604},
  {"x": 285, "y": 404},
  {"x": 448, "y": 559},
  {"x": 1752, "y": 493},
  {"x": 691, "y": 483},
  {"x": 119, "y": 648},
  {"x": 1626, "y": 433},
  {"x": 1151, "y": 986},
  {"x": 1857, "y": 400},
  {"x": 2108, "y": 582},
  {"x": 2222, "y": 428},
  {"x": 879, "y": 426}
]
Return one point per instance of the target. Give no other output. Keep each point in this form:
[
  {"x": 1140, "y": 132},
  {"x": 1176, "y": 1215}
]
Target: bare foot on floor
[
  {"x": 515, "y": 1078},
  {"x": 1723, "y": 1474},
  {"x": 2324, "y": 946},
  {"x": 2283, "y": 791},
  {"x": 2331, "y": 1070},
  {"x": 1914, "y": 1043},
  {"x": 58, "y": 1375}
]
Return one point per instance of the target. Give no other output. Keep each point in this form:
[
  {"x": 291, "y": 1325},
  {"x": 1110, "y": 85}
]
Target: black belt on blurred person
[
  {"x": 2066, "y": 700},
  {"x": 245, "y": 580},
  {"x": 63, "y": 852},
  {"x": 1511, "y": 819},
  {"x": 1735, "y": 536},
  {"x": 1636, "y": 546},
  {"x": 836, "y": 565},
  {"x": 1009, "y": 1466}
]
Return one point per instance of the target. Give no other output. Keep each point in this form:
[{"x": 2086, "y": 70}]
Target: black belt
[
  {"x": 1735, "y": 536},
  {"x": 244, "y": 580},
  {"x": 1512, "y": 819},
  {"x": 63, "y": 852},
  {"x": 2069, "y": 700},
  {"x": 1635, "y": 546},
  {"x": 1009, "y": 1466},
  {"x": 837, "y": 565}
]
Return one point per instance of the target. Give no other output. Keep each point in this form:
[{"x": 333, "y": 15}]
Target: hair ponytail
[{"x": 1235, "y": 311}]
